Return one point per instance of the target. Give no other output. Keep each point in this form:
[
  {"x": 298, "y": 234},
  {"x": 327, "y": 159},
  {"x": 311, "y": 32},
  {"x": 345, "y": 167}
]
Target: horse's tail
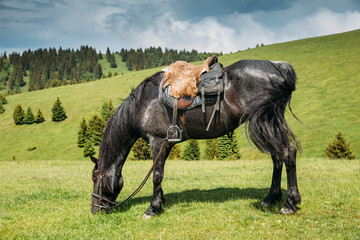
[{"x": 264, "y": 120}]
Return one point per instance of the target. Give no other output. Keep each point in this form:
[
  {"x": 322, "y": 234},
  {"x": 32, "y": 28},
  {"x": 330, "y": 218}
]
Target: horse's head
[{"x": 107, "y": 186}]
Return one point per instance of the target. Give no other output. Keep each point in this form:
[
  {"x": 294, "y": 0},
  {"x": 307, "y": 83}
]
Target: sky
[{"x": 205, "y": 25}]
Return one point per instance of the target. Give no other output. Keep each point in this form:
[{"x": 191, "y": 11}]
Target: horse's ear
[{"x": 94, "y": 160}]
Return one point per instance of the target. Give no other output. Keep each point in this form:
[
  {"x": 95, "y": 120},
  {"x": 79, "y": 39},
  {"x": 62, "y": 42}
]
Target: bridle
[{"x": 105, "y": 203}]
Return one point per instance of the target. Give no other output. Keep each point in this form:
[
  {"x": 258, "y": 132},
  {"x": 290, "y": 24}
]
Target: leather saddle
[{"x": 179, "y": 90}]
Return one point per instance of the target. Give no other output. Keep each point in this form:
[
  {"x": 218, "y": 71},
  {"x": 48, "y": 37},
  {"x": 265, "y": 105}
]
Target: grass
[
  {"x": 204, "y": 200},
  {"x": 326, "y": 100},
  {"x": 121, "y": 66}
]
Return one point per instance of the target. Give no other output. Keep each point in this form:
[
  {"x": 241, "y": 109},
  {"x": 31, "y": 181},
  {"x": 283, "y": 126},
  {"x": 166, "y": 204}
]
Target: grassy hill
[
  {"x": 121, "y": 66},
  {"x": 326, "y": 100}
]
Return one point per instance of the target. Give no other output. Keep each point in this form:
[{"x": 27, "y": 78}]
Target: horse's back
[{"x": 256, "y": 72}]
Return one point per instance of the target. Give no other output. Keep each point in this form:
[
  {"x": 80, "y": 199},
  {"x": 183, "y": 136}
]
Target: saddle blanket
[{"x": 185, "y": 103}]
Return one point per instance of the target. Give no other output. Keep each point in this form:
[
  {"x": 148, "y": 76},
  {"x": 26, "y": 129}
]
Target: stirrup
[
  {"x": 178, "y": 135},
  {"x": 177, "y": 131}
]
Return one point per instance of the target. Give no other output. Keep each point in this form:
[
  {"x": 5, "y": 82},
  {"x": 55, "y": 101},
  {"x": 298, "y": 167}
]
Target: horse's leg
[
  {"x": 158, "y": 175},
  {"x": 293, "y": 194},
  {"x": 275, "y": 193}
]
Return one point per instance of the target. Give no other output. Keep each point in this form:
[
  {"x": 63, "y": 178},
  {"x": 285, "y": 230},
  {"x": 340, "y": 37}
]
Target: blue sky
[{"x": 226, "y": 25}]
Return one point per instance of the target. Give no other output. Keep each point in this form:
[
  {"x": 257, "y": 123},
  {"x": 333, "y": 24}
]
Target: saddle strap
[
  {"x": 175, "y": 109},
  {"x": 217, "y": 107},
  {"x": 203, "y": 99}
]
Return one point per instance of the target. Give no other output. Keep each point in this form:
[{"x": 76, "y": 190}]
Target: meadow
[
  {"x": 46, "y": 193},
  {"x": 204, "y": 200}
]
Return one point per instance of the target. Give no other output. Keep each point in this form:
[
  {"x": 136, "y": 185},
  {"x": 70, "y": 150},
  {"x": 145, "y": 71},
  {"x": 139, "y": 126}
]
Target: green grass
[
  {"x": 327, "y": 100},
  {"x": 121, "y": 66},
  {"x": 204, "y": 200}
]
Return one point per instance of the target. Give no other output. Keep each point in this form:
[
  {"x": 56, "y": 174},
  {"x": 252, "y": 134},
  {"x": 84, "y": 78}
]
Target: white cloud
[
  {"x": 205, "y": 35},
  {"x": 234, "y": 32},
  {"x": 69, "y": 23},
  {"x": 322, "y": 22}
]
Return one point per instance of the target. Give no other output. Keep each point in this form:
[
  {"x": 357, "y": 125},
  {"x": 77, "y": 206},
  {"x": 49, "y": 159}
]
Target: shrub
[
  {"x": 211, "y": 149},
  {"x": 29, "y": 116},
  {"x": 96, "y": 127},
  {"x": 339, "y": 149},
  {"x": 18, "y": 115},
  {"x": 31, "y": 148},
  {"x": 3, "y": 99},
  {"x": 39, "y": 118},
  {"x": 58, "y": 112},
  {"x": 141, "y": 150},
  {"x": 192, "y": 150},
  {"x": 2, "y": 109},
  {"x": 83, "y": 134},
  {"x": 228, "y": 147},
  {"x": 175, "y": 152},
  {"x": 88, "y": 149},
  {"x": 107, "y": 110}
]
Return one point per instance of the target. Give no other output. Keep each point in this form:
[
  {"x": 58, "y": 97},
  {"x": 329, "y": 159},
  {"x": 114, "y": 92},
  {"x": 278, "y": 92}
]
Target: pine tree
[
  {"x": 83, "y": 133},
  {"x": 211, "y": 150},
  {"x": 228, "y": 147},
  {"x": 96, "y": 126},
  {"x": 88, "y": 149},
  {"x": 113, "y": 61},
  {"x": 339, "y": 149},
  {"x": 175, "y": 152},
  {"x": 18, "y": 115},
  {"x": 2, "y": 109},
  {"x": 107, "y": 110},
  {"x": 39, "y": 118},
  {"x": 141, "y": 150},
  {"x": 58, "y": 112},
  {"x": 192, "y": 150},
  {"x": 29, "y": 116}
]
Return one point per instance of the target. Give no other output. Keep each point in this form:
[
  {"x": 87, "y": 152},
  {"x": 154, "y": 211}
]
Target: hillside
[{"x": 326, "y": 100}]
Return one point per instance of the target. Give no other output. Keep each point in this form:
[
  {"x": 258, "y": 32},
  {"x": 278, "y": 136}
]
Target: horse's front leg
[{"x": 160, "y": 150}]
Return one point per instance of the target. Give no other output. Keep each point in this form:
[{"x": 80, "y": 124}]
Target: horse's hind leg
[
  {"x": 293, "y": 194},
  {"x": 275, "y": 193}
]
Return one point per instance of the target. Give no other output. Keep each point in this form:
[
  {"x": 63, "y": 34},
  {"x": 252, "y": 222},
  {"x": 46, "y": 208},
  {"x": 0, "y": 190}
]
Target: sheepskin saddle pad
[{"x": 184, "y": 78}]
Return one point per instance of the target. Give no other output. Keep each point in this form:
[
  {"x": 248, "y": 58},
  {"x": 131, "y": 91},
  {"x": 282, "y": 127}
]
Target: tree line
[
  {"x": 48, "y": 68},
  {"x": 155, "y": 57}
]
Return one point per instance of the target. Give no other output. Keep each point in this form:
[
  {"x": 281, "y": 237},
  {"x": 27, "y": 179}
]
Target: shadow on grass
[{"x": 217, "y": 195}]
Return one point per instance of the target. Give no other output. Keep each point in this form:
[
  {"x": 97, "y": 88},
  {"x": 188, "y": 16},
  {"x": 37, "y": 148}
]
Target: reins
[{"x": 114, "y": 204}]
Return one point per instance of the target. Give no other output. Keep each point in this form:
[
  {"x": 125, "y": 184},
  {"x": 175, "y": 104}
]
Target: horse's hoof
[
  {"x": 146, "y": 216},
  {"x": 266, "y": 205},
  {"x": 287, "y": 211}
]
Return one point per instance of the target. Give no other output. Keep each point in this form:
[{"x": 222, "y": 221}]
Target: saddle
[{"x": 197, "y": 89}]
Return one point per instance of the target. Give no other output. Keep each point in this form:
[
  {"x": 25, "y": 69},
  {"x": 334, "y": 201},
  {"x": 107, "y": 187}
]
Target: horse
[{"x": 256, "y": 94}]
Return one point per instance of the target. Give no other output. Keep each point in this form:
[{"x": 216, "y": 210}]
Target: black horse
[{"x": 256, "y": 94}]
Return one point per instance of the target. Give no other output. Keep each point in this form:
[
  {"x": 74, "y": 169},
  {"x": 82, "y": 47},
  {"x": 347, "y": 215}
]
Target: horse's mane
[{"x": 118, "y": 132}]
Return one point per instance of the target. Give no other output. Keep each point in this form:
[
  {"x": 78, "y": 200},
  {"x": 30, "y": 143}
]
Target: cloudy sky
[{"x": 204, "y": 25}]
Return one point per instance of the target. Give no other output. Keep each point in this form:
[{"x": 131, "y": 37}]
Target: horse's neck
[
  {"x": 117, "y": 141},
  {"x": 117, "y": 159}
]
